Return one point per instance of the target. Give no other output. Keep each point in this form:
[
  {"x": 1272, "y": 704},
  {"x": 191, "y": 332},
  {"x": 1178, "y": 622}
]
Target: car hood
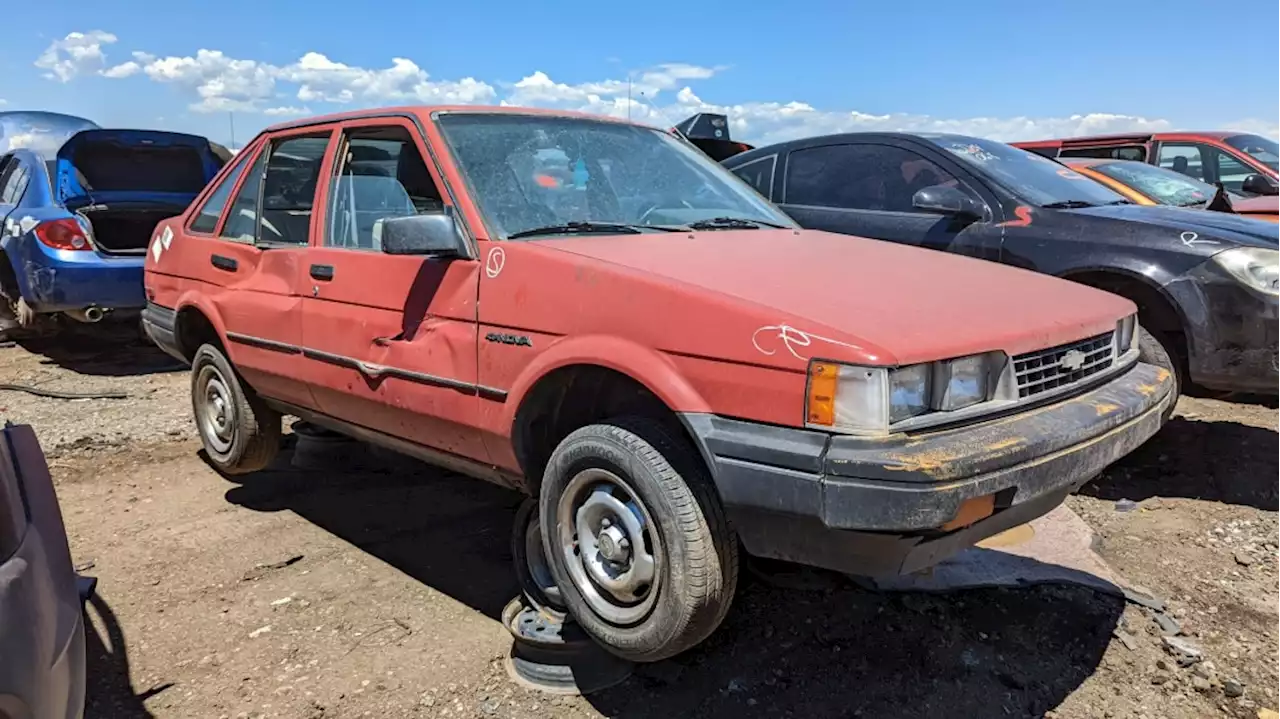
[
  {"x": 1219, "y": 227},
  {"x": 862, "y": 299}
]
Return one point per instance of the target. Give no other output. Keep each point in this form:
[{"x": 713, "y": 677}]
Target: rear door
[
  {"x": 390, "y": 340},
  {"x": 245, "y": 248},
  {"x": 867, "y": 189}
]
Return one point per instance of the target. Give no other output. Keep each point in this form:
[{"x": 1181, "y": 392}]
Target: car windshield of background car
[
  {"x": 1164, "y": 186},
  {"x": 1034, "y": 178},
  {"x": 1259, "y": 148},
  {"x": 528, "y": 172}
]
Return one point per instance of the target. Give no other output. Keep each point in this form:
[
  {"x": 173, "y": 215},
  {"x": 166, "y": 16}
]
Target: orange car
[{"x": 1150, "y": 185}]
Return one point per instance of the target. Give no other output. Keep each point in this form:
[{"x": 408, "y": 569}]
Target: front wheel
[
  {"x": 637, "y": 539},
  {"x": 1156, "y": 349},
  {"x": 241, "y": 434}
]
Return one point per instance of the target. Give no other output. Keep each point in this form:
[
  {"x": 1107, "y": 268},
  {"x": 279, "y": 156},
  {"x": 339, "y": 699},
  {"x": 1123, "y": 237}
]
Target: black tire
[
  {"x": 537, "y": 583},
  {"x": 1155, "y": 348},
  {"x": 249, "y": 436},
  {"x": 696, "y": 571}
]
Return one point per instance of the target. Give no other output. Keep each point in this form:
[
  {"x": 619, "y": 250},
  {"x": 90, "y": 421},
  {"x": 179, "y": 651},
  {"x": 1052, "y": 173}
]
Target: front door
[
  {"x": 250, "y": 255},
  {"x": 390, "y": 341}
]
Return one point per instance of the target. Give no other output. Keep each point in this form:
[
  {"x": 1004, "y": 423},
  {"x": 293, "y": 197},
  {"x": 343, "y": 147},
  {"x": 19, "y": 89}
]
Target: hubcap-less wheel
[
  {"x": 610, "y": 546},
  {"x": 536, "y": 562},
  {"x": 217, "y": 414}
]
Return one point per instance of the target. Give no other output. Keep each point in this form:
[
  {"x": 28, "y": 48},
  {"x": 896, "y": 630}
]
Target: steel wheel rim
[
  {"x": 215, "y": 410},
  {"x": 535, "y": 559},
  {"x": 619, "y": 580}
]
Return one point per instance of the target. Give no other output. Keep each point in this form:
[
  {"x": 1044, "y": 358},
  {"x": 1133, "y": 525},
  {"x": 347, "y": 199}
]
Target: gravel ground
[{"x": 374, "y": 589}]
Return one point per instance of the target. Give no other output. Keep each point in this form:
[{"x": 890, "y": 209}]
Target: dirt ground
[{"x": 373, "y": 589}]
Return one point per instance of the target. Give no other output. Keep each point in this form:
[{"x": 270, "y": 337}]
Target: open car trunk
[
  {"x": 126, "y": 181},
  {"x": 709, "y": 132}
]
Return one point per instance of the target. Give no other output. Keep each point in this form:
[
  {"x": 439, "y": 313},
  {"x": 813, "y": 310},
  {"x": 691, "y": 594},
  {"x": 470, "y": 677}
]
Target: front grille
[{"x": 1042, "y": 371}]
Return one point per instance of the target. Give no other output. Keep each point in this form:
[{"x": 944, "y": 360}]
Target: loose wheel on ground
[
  {"x": 240, "y": 433},
  {"x": 636, "y": 538}
]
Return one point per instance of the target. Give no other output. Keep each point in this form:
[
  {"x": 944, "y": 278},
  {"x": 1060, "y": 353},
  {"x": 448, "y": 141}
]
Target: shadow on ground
[
  {"x": 834, "y": 651},
  {"x": 1215, "y": 461},
  {"x": 107, "y": 351},
  {"x": 109, "y": 691}
]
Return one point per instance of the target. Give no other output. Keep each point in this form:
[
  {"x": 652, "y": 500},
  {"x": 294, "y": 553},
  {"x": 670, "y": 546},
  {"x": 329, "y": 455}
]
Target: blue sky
[{"x": 1007, "y": 70}]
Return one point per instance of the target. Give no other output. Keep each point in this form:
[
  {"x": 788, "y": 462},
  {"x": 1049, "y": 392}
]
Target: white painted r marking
[
  {"x": 791, "y": 339},
  {"x": 1191, "y": 239}
]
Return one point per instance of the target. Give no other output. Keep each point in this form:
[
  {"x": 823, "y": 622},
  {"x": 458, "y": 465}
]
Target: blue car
[{"x": 78, "y": 206}]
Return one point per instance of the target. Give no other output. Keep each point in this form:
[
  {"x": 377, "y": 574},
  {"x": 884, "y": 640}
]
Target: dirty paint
[
  {"x": 1105, "y": 408},
  {"x": 791, "y": 339},
  {"x": 1005, "y": 444}
]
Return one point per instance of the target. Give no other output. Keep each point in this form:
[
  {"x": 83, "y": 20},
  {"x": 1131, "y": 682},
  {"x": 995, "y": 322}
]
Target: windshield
[
  {"x": 1031, "y": 177},
  {"x": 43, "y": 132},
  {"x": 529, "y": 172},
  {"x": 1257, "y": 147},
  {"x": 1160, "y": 184}
]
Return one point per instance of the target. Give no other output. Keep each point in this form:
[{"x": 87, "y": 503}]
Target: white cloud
[
  {"x": 287, "y": 111},
  {"x": 79, "y": 53},
  {"x": 661, "y": 95}
]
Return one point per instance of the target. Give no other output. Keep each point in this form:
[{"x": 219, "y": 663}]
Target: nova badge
[
  {"x": 1072, "y": 360},
  {"x": 518, "y": 340}
]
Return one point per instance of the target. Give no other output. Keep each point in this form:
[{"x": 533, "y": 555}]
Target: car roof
[
  {"x": 1138, "y": 137},
  {"x": 817, "y": 140},
  {"x": 424, "y": 112}
]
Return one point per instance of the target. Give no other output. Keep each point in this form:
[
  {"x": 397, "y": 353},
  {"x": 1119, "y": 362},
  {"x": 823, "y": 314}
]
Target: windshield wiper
[
  {"x": 586, "y": 228},
  {"x": 732, "y": 223},
  {"x": 1068, "y": 205}
]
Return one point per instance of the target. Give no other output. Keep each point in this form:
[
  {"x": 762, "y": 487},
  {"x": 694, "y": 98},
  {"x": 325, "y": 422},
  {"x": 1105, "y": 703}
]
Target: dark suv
[{"x": 1205, "y": 283}]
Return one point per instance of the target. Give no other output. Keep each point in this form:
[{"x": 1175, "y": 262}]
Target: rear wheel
[
  {"x": 1155, "y": 348},
  {"x": 636, "y": 538},
  {"x": 240, "y": 433}
]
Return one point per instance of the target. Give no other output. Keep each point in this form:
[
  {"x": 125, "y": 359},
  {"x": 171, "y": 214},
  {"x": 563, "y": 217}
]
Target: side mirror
[
  {"x": 1257, "y": 184},
  {"x": 434, "y": 235},
  {"x": 947, "y": 201}
]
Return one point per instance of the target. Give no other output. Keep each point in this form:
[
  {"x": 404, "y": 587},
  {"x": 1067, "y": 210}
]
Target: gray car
[{"x": 42, "y": 632}]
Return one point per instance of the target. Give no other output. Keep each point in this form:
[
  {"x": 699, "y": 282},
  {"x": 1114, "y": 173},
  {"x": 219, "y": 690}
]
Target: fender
[
  {"x": 643, "y": 364},
  {"x": 192, "y": 299},
  {"x": 1154, "y": 277}
]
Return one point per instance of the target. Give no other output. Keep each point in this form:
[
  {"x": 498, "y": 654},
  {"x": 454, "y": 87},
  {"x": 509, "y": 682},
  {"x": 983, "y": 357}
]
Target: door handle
[
  {"x": 322, "y": 272},
  {"x": 224, "y": 263}
]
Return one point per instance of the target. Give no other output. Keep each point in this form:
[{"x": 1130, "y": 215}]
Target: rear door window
[
  {"x": 284, "y": 176},
  {"x": 207, "y": 219},
  {"x": 14, "y": 182}
]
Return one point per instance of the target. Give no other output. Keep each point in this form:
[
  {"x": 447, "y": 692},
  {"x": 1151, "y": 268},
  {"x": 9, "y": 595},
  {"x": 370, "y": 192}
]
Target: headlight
[
  {"x": 1256, "y": 267},
  {"x": 867, "y": 400},
  {"x": 1124, "y": 334}
]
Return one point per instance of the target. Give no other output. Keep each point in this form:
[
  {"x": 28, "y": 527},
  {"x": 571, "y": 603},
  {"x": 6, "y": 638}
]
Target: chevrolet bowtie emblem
[{"x": 1072, "y": 360}]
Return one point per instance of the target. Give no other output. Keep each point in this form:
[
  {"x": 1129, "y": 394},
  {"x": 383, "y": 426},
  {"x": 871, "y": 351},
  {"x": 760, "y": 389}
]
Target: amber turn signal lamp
[{"x": 821, "y": 407}]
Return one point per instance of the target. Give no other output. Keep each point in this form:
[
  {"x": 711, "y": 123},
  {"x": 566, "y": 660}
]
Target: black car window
[
  {"x": 759, "y": 174},
  {"x": 286, "y": 175},
  {"x": 207, "y": 219},
  {"x": 860, "y": 177},
  {"x": 241, "y": 224},
  {"x": 1127, "y": 152}
]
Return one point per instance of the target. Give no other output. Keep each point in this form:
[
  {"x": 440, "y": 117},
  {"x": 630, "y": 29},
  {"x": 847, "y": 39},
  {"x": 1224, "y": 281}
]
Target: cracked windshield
[{"x": 535, "y": 176}]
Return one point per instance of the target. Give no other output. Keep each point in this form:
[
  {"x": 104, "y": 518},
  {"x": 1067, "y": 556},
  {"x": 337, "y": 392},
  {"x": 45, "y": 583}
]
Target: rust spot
[
  {"x": 1005, "y": 444},
  {"x": 927, "y": 462},
  {"x": 1105, "y": 408},
  {"x": 1162, "y": 374},
  {"x": 1146, "y": 390}
]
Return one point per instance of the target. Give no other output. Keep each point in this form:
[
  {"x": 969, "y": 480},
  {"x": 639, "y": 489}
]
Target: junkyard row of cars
[{"x": 862, "y": 352}]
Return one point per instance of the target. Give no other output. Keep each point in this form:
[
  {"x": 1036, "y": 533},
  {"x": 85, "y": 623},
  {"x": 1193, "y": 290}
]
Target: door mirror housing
[
  {"x": 1258, "y": 184},
  {"x": 946, "y": 200},
  {"x": 433, "y": 235}
]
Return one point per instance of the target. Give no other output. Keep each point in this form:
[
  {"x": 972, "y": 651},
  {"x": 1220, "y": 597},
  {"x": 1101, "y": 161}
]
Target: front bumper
[
  {"x": 1231, "y": 331},
  {"x": 877, "y": 506},
  {"x": 60, "y": 280}
]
